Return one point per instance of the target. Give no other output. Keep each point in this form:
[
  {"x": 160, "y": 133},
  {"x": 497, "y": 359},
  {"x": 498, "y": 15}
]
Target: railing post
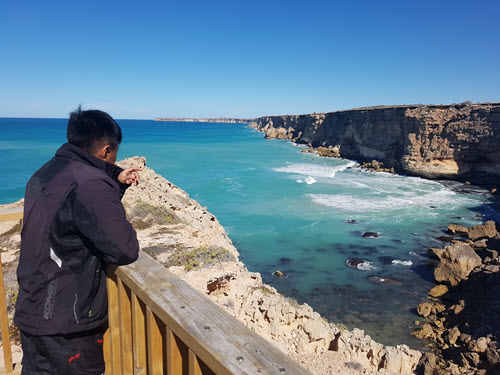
[
  {"x": 114, "y": 326},
  {"x": 125, "y": 311},
  {"x": 4, "y": 324},
  {"x": 139, "y": 335},
  {"x": 156, "y": 359}
]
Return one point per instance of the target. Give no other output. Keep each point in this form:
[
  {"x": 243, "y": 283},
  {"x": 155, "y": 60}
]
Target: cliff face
[{"x": 447, "y": 141}]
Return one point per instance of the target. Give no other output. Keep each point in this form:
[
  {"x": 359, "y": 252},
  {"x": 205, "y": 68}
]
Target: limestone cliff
[{"x": 459, "y": 141}]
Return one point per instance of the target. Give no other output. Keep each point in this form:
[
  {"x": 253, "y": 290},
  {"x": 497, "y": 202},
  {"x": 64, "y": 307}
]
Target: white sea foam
[
  {"x": 393, "y": 198},
  {"x": 309, "y": 180},
  {"x": 366, "y": 266},
  {"x": 349, "y": 203},
  {"x": 402, "y": 262},
  {"x": 315, "y": 170}
]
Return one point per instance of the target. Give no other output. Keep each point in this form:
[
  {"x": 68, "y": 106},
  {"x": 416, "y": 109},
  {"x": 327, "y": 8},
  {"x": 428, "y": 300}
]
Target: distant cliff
[
  {"x": 221, "y": 120},
  {"x": 458, "y": 141}
]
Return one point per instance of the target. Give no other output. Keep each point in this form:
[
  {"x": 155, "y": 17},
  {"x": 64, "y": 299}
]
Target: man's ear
[
  {"x": 107, "y": 151},
  {"x": 103, "y": 152}
]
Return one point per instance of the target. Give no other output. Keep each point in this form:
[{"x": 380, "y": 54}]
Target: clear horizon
[{"x": 244, "y": 60}]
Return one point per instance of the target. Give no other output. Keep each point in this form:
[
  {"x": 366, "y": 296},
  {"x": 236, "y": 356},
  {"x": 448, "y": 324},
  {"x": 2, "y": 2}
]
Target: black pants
[{"x": 71, "y": 354}]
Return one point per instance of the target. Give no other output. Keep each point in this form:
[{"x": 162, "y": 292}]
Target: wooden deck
[{"x": 158, "y": 324}]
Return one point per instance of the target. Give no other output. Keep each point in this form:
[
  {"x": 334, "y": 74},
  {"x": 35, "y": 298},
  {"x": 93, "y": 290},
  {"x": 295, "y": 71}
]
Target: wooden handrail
[
  {"x": 186, "y": 332},
  {"x": 158, "y": 324}
]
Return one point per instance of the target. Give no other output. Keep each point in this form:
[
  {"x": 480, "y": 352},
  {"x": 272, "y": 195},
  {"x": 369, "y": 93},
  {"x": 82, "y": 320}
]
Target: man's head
[{"x": 95, "y": 132}]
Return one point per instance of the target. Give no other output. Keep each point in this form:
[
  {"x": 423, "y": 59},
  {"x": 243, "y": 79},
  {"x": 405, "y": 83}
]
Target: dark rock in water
[
  {"x": 444, "y": 238},
  {"x": 285, "y": 260},
  {"x": 321, "y": 250},
  {"x": 370, "y": 234},
  {"x": 386, "y": 260},
  {"x": 383, "y": 280},
  {"x": 350, "y": 221},
  {"x": 353, "y": 262}
]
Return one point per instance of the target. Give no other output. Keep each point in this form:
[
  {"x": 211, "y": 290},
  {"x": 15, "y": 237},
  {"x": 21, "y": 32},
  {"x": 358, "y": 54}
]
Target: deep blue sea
[{"x": 288, "y": 211}]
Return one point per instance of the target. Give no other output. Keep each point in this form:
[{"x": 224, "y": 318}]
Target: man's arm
[{"x": 100, "y": 217}]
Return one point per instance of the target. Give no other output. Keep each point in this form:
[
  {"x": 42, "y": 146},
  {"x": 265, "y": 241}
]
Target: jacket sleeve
[
  {"x": 100, "y": 217},
  {"x": 113, "y": 171}
]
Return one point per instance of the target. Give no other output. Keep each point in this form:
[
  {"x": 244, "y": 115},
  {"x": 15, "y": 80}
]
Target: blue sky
[{"x": 243, "y": 59}]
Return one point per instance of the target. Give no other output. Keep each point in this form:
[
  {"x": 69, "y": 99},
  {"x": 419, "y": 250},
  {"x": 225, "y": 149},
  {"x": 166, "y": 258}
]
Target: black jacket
[{"x": 74, "y": 224}]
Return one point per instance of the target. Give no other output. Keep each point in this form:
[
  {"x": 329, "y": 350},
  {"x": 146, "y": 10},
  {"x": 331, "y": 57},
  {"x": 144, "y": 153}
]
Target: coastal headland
[
  {"x": 456, "y": 141},
  {"x": 222, "y": 120}
]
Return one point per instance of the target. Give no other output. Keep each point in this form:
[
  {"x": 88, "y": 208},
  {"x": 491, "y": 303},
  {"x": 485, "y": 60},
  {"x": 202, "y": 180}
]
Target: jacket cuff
[{"x": 114, "y": 171}]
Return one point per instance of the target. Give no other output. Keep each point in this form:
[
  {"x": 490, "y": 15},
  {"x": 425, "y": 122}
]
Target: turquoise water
[{"x": 288, "y": 210}]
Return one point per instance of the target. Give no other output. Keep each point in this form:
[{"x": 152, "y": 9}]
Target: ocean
[{"x": 290, "y": 211}]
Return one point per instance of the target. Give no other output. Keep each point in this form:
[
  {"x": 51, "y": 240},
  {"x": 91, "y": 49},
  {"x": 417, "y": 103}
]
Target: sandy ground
[{"x": 329, "y": 363}]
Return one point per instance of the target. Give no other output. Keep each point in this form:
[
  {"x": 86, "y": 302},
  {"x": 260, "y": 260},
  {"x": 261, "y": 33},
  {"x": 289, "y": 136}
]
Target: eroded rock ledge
[{"x": 459, "y": 141}]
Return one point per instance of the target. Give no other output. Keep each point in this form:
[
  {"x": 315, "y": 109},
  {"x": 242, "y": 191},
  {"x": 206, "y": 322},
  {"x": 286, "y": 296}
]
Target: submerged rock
[
  {"x": 359, "y": 264},
  {"x": 444, "y": 238},
  {"x": 370, "y": 235},
  {"x": 383, "y": 280},
  {"x": 386, "y": 259}
]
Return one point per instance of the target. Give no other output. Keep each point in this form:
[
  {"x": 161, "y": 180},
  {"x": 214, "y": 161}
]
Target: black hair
[{"x": 92, "y": 129}]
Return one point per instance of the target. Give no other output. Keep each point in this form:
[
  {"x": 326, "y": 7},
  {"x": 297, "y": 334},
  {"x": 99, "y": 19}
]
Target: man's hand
[{"x": 129, "y": 176}]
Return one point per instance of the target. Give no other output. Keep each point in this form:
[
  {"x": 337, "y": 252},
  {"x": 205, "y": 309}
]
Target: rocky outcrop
[
  {"x": 463, "y": 320},
  {"x": 458, "y": 141},
  {"x": 456, "y": 263}
]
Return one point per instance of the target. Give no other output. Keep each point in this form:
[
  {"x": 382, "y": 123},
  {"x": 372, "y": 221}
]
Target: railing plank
[
  {"x": 125, "y": 310},
  {"x": 11, "y": 214},
  {"x": 155, "y": 344},
  {"x": 139, "y": 335},
  {"x": 177, "y": 355},
  {"x": 223, "y": 343},
  {"x": 194, "y": 364},
  {"x": 114, "y": 325},
  {"x": 4, "y": 324}
]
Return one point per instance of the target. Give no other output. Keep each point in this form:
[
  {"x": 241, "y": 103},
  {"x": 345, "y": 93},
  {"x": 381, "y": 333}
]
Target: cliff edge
[{"x": 458, "y": 141}]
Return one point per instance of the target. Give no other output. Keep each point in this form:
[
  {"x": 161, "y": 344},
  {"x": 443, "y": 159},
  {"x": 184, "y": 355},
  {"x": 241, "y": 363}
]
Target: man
[{"x": 74, "y": 225}]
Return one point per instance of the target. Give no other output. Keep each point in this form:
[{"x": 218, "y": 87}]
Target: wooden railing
[
  {"x": 158, "y": 324},
  {"x": 14, "y": 214}
]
